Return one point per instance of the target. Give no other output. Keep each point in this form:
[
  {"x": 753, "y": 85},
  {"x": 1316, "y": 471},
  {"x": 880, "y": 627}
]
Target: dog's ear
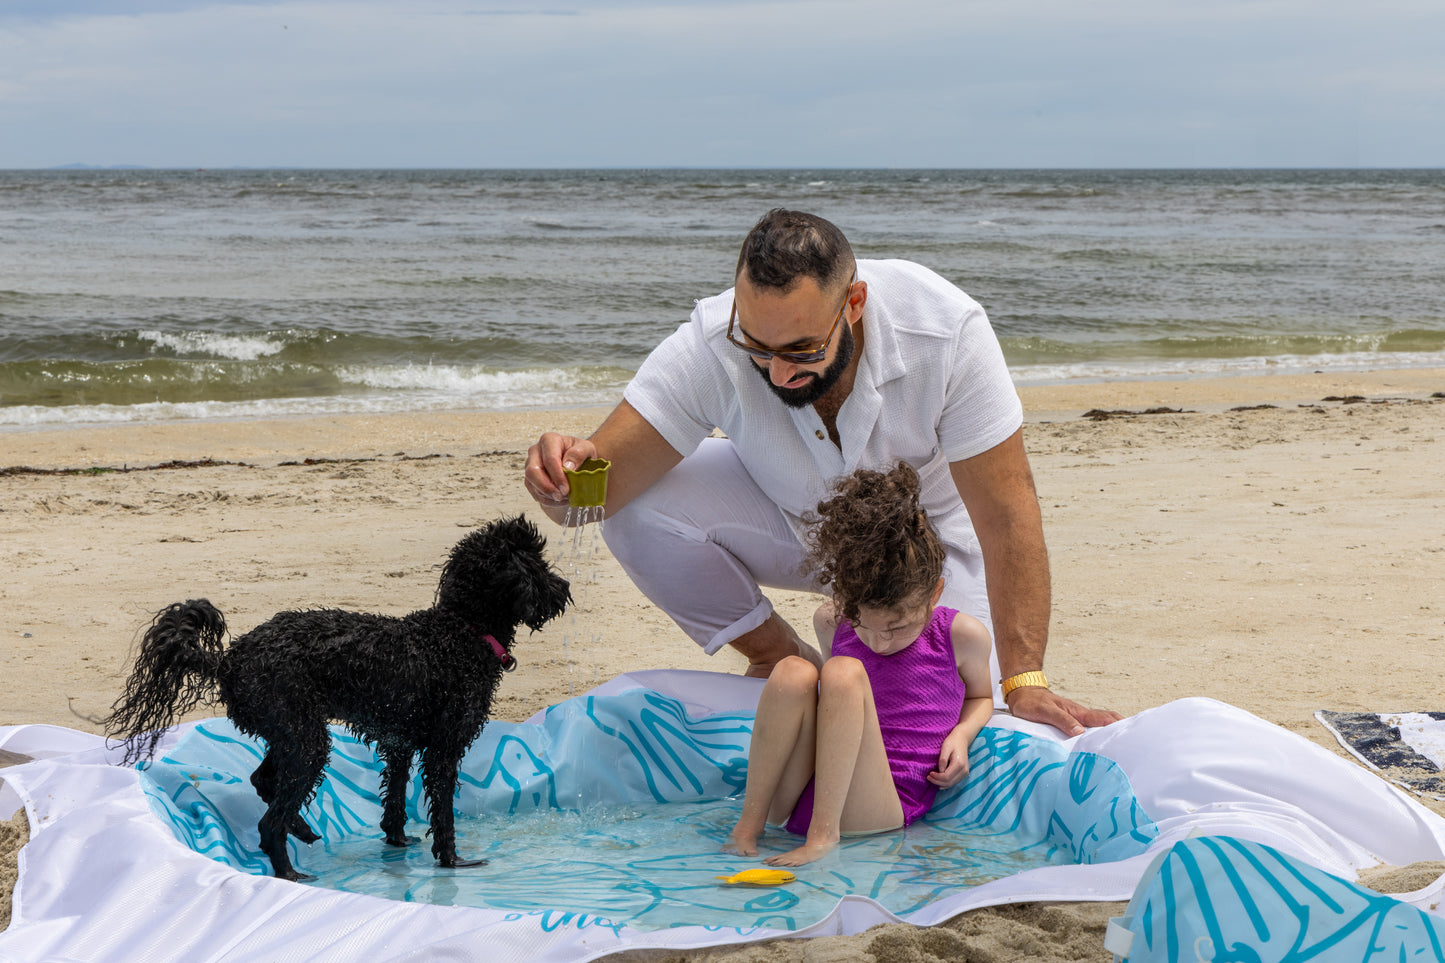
[
  {"x": 468, "y": 571},
  {"x": 546, "y": 593},
  {"x": 519, "y": 533},
  {"x": 498, "y": 575},
  {"x": 533, "y": 589},
  {"x": 543, "y": 595}
]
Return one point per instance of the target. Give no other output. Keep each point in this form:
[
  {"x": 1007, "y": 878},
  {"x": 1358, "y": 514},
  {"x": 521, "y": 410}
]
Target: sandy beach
[{"x": 1273, "y": 542}]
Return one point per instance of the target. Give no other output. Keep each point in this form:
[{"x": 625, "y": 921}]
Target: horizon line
[{"x": 745, "y": 167}]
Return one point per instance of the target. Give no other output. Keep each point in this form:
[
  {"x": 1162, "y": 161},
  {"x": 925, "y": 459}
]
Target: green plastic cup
[{"x": 587, "y": 484}]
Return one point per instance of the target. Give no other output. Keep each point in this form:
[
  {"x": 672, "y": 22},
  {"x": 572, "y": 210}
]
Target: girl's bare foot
[
  {"x": 741, "y": 844},
  {"x": 806, "y": 853}
]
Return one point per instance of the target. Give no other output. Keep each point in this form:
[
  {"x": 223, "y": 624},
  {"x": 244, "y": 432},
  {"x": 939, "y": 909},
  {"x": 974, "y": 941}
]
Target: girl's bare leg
[
  {"x": 853, "y": 786},
  {"x": 780, "y": 759}
]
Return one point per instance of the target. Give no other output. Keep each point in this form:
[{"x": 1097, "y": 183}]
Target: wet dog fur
[{"x": 420, "y": 683}]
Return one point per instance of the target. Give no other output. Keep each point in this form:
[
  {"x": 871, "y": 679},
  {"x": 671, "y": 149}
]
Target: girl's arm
[
  {"x": 825, "y": 623},
  {"x": 953, "y": 757},
  {"x": 970, "y": 653}
]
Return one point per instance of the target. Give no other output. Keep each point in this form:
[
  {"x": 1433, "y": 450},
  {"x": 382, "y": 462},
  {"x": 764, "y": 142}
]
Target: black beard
[{"x": 820, "y": 383}]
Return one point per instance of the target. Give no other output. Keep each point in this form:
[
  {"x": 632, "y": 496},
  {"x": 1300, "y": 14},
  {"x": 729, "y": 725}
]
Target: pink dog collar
[{"x": 508, "y": 663}]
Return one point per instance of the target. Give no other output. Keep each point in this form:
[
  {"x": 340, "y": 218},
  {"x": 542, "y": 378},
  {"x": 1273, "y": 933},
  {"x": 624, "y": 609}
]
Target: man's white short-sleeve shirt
[{"x": 931, "y": 388}]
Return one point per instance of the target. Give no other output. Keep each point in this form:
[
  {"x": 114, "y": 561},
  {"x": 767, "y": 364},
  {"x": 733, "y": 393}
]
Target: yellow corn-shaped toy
[{"x": 759, "y": 877}]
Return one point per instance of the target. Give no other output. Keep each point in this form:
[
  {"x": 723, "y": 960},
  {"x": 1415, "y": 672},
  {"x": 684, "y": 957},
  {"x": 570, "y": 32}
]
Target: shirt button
[{"x": 820, "y": 434}]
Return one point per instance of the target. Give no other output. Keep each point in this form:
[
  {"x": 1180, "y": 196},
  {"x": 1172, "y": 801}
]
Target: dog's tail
[{"x": 180, "y": 655}]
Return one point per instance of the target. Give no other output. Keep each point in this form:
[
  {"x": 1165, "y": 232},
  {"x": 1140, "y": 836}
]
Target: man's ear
[{"x": 858, "y": 296}]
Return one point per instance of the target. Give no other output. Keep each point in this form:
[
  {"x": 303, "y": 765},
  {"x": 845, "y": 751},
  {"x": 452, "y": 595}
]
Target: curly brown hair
[{"x": 872, "y": 542}]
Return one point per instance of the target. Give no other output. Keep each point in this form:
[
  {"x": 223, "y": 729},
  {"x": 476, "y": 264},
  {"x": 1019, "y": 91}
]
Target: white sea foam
[
  {"x": 233, "y": 347},
  {"x": 1156, "y": 370},
  {"x": 380, "y": 390},
  {"x": 24, "y": 417},
  {"x": 383, "y": 389},
  {"x": 459, "y": 379}
]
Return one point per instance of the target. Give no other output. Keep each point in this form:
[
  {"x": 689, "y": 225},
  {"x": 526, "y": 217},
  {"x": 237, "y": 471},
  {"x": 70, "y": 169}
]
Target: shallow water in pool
[{"x": 655, "y": 867}]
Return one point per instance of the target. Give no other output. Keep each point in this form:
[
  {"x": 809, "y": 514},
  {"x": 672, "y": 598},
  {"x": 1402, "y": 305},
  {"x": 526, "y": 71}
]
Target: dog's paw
[
  {"x": 297, "y": 827},
  {"x": 402, "y": 841},
  {"x": 457, "y": 863}
]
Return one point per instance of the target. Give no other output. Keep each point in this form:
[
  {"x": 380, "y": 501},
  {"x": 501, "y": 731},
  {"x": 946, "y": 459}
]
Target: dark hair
[
  {"x": 786, "y": 246},
  {"x": 872, "y": 542}
]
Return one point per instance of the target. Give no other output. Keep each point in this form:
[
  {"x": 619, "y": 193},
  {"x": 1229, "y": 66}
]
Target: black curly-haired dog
[{"x": 422, "y": 683}]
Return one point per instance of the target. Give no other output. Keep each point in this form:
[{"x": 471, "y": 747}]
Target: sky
[{"x": 723, "y": 83}]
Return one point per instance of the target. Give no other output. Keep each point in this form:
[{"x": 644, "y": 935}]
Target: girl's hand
[{"x": 952, "y": 761}]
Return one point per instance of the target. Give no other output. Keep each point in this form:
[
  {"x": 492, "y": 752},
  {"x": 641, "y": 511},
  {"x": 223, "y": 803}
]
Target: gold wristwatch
[{"x": 1022, "y": 679}]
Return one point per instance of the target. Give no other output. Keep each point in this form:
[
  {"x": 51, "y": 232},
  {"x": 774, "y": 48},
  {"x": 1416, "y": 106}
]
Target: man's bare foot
[
  {"x": 770, "y": 643},
  {"x": 762, "y": 669},
  {"x": 806, "y": 853},
  {"x": 759, "y": 670}
]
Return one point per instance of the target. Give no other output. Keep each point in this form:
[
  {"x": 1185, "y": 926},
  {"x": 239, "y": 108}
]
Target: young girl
[{"x": 864, "y": 745}]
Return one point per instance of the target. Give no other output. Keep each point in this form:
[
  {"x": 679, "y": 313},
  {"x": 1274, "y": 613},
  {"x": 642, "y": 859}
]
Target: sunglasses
[{"x": 806, "y": 356}]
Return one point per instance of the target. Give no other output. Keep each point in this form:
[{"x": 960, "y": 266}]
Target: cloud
[{"x": 722, "y": 83}]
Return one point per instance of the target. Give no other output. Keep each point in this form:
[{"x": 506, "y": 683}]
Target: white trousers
[{"x": 702, "y": 541}]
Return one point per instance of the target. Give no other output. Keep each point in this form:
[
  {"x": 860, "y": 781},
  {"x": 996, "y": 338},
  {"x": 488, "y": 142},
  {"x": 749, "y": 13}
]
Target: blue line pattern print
[
  {"x": 1080, "y": 802},
  {"x": 1226, "y": 900},
  {"x": 612, "y": 811}
]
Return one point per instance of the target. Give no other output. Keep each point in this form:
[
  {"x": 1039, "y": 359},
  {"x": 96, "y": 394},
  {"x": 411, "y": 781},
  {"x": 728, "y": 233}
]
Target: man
[{"x": 812, "y": 366}]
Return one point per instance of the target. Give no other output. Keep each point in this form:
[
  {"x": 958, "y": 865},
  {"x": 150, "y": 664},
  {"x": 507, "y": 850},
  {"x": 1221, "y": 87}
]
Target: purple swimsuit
[{"x": 918, "y": 695}]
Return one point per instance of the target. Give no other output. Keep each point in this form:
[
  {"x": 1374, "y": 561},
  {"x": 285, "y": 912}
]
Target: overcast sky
[{"x": 723, "y": 83}]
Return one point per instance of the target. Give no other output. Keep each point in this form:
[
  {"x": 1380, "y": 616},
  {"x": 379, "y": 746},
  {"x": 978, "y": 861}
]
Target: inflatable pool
[{"x": 602, "y": 821}]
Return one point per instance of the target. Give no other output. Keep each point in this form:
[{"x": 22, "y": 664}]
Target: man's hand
[
  {"x": 544, "y": 477},
  {"x": 1037, "y": 704},
  {"x": 638, "y": 454}
]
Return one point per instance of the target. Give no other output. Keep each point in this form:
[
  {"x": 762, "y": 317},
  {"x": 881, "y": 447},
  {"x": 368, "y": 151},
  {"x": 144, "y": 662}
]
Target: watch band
[{"x": 1022, "y": 679}]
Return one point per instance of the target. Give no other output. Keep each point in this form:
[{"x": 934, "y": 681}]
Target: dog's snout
[{"x": 551, "y": 604}]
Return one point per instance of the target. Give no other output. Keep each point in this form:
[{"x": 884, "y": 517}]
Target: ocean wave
[
  {"x": 1384, "y": 347},
  {"x": 263, "y": 390},
  {"x": 1185, "y": 368},
  {"x": 1049, "y": 193},
  {"x": 232, "y": 347},
  {"x": 544, "y": 224},
  {"x": 465, "y": 380},
  {"x": 35, "y": 417}
]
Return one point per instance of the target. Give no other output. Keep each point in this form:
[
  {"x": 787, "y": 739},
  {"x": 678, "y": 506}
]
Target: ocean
[{"x": 148, "y": 295}]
